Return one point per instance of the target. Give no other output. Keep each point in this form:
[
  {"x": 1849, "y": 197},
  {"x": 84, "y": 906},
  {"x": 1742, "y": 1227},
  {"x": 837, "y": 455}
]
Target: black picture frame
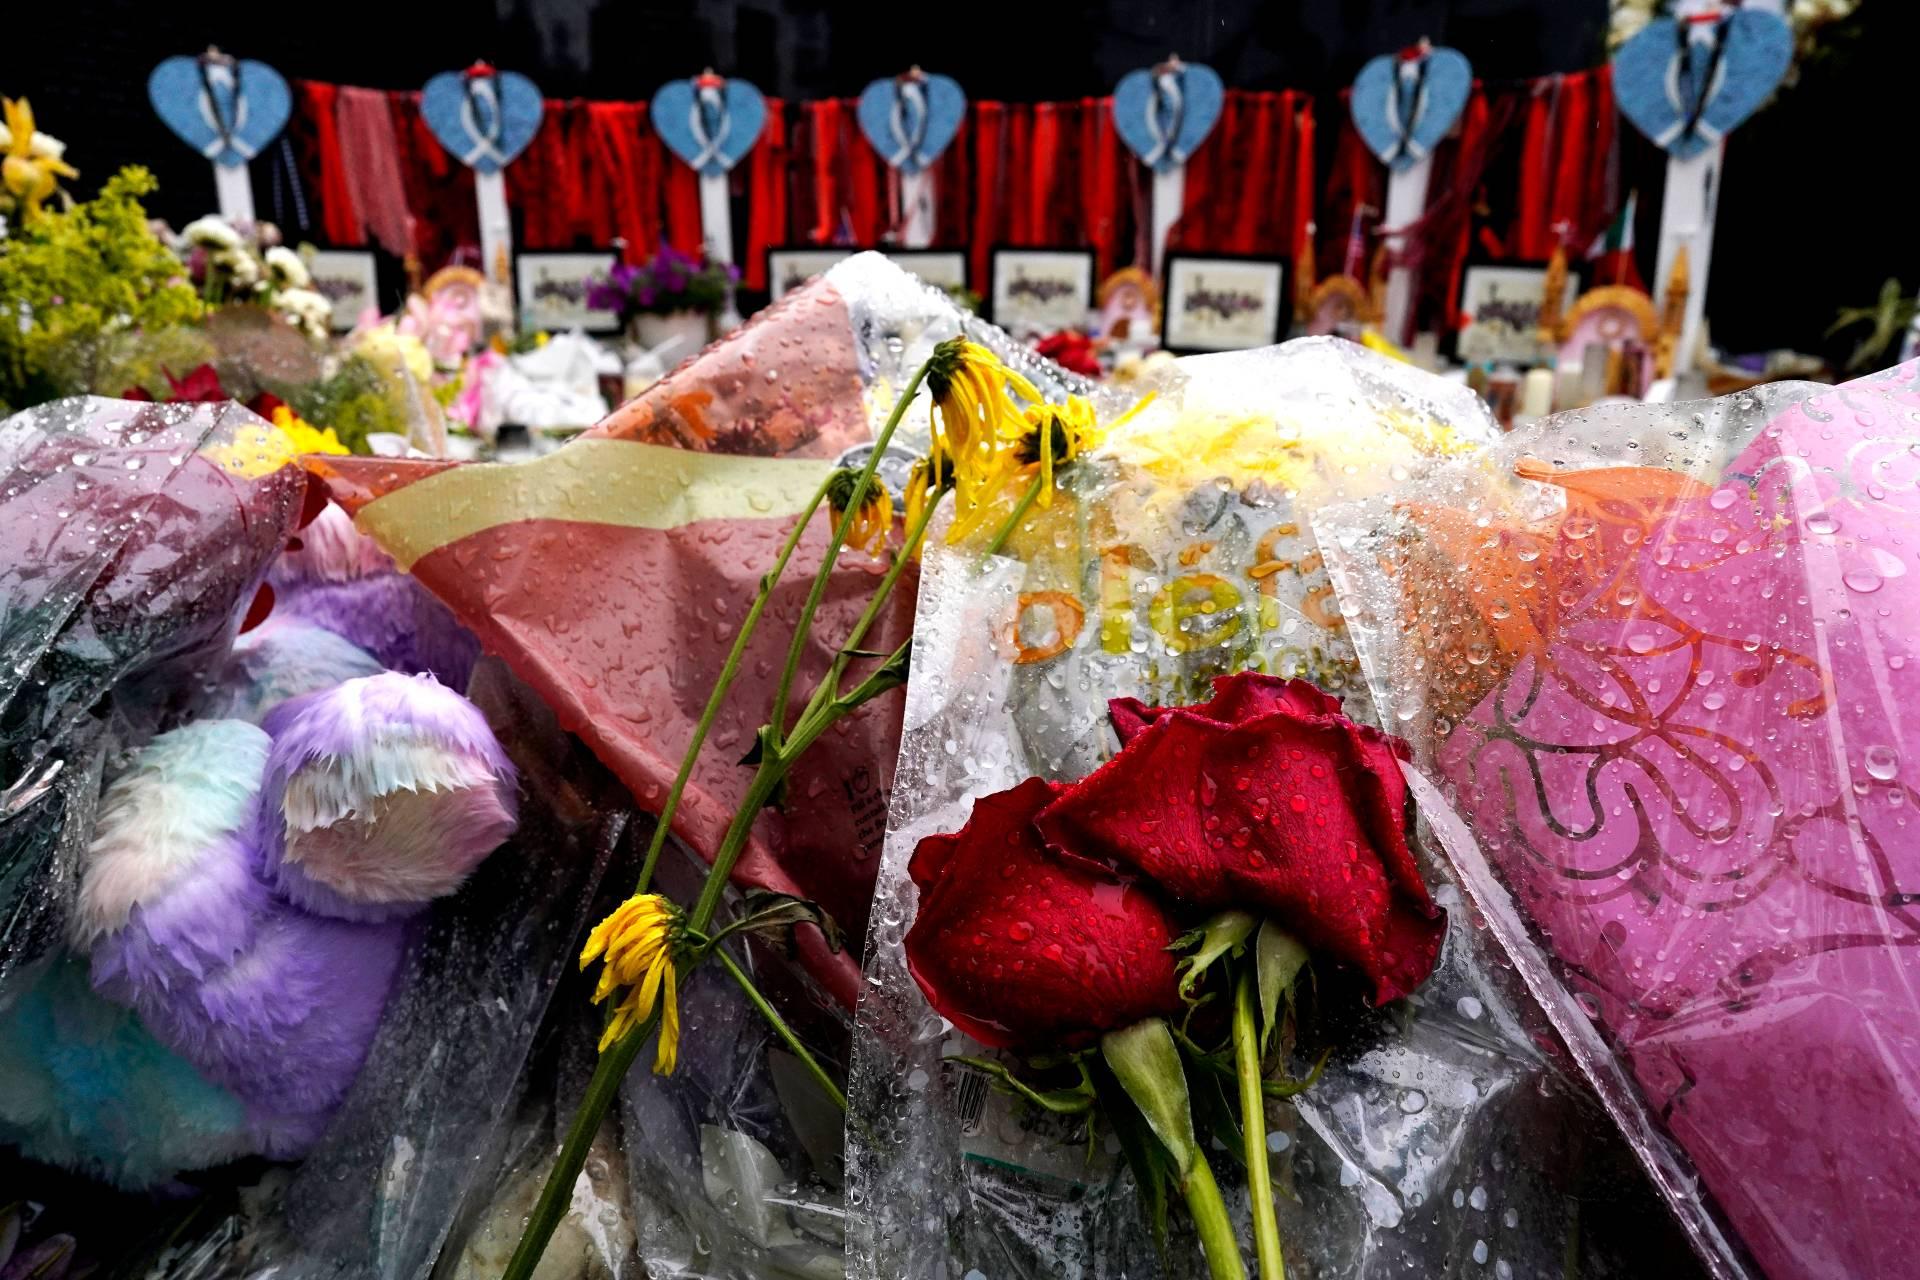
[
  {"x": 531, "y": 315},
  {"x": 1477, "y": 266},
  {"x": 1178, "y": 331},
  {"x": 1000, "y": 260}
]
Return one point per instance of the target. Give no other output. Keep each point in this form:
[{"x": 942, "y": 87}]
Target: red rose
[
  {"x": 1021, "y": 949},
  {"x": 202, "y": 386},
  {"x": 1268, "y": 799}
]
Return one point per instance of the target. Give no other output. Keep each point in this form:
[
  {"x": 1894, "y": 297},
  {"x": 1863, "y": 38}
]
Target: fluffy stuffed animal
[{"x": 244, "y": 907}]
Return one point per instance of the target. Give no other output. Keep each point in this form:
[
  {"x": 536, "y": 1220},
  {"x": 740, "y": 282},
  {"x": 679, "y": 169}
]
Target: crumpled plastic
[
  {"x": 130, "y": 534},
  {"x": 1445, "y": 1137},
  {"x": 1656, "y": 660}
]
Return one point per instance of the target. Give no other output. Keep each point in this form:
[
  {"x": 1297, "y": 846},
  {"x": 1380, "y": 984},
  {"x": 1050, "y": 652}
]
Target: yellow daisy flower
[
  {"x": 973, "y": 413},
  {"x": 1050, "y": 435},
  {"x": 636, "y": 946},
  {"x": 874, "y": 523}
]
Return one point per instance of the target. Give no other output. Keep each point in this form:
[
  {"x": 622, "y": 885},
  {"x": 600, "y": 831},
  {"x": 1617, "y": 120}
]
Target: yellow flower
[
  {"x": 973, "y": 414},
  {"x": 254, "y": 450},
  {"x": 637, "y": 943},
  {"x": 305, "y": 437},
  {"x": 1055, "y": 434},
  {"x": 874, "y": 523},
  {"x": 974, "y": 418},
  {"x": 33, "y": 164}
]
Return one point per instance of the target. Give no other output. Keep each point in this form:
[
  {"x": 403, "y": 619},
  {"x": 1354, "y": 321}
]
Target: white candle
[{"x": 1536, "y": 396}]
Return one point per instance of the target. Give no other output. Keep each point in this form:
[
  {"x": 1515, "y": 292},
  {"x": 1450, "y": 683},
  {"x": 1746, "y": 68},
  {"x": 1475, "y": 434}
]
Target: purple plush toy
[
  {"x": 244, "y": 906},
  {"x": 248, "y": 887}
]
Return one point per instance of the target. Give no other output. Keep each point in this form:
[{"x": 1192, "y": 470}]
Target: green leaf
[
  {"x": 1226, "y": 932},
  {"x": 1215, "y": 1115},
  {"x": 775, "y": 914},
  {"x": 1280, "y": 957},
  {"x": 762, "y": 742},
  {"x": 1147, "y": 1065},
  {"x": 1144, "y": 1154},
  {"x": 1288, "y": 1088},
  {"x": 1065, "y": 1102}
]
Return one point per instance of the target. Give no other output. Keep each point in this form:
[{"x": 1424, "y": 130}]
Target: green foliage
[
  {"x": 1889, "y": 318},
  {"x": 356, "y": 401},
  {"x": 72, "y": 280}
]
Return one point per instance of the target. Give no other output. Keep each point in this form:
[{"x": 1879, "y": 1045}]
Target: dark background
[{"x": 1813, "y": 216}]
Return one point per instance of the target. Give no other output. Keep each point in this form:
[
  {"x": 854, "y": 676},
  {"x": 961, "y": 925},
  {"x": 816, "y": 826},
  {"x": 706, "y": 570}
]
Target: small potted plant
[{"x": 671, "y": 295}]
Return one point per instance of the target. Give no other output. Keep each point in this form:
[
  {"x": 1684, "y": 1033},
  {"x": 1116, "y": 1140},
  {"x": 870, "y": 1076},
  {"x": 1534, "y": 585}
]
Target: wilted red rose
[
  {"x": 1268, "y": 799},
  {"x": 1021, "y": 949}
]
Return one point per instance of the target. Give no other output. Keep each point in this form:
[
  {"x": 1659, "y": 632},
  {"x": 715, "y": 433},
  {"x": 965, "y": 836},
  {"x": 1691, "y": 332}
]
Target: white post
[
  {"x": 1406, "y": 201},
  {"x": 1169, "y": 194},
  {"x": 496, "y": 227},
  {"x": 233, "y": 185},
  {"x": 716, "y": 217},
  {"x": 1687, "y": 215},
  {"x": 916, "y": 207},
  {"x": 1686, "y": 218}
]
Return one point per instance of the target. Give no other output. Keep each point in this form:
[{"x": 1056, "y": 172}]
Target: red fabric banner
[{"x": 1537, "y": 156}]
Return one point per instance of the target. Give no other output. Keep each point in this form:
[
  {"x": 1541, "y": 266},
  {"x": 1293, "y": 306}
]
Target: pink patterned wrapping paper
[{"x": 1687, "y": 746}]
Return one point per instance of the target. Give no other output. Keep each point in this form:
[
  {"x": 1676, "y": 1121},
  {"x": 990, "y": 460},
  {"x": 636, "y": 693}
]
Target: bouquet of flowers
[
  {"x": 229, "y": 266},
  {"x": 667, "y": 282},
  {"x": 1659, "y": 658}
]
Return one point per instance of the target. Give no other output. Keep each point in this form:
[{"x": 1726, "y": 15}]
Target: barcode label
[{"x": 970, "y": 1098}]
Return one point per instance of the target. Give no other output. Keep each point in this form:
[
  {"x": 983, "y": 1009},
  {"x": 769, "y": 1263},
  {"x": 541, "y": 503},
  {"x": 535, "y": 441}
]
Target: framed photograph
[
  {"x": 793, "y": 266},
  {"x": 941, "y": 268},
  {"x": 1035, "y": 292},
  {"x": 1221, "y": 303},
  {"x": 1500, "y": 314},
  {"x": 349, "y": 279},
  {"x": 551, "y": 290}
]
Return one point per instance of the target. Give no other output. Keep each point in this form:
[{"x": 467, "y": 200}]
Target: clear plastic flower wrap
[
  {"x": 610, "y": 576},
  {"x": 1442, "y": 1135},
  {"x": 130, "y": 535},
  {"x": 1657, "y": 661}
]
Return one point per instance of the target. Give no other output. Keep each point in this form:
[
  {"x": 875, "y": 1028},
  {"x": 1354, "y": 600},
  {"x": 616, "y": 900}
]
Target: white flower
[
  {"x": 212, "y": 231},
  {"x": 241, "y": 268},
  {"x": 307, "y": 309},
  {"x": 287, "y": 269}
]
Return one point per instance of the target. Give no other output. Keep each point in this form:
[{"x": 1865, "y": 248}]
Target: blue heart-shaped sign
[
  {"x": 484, "y": 118},
  {"x": 226, "y": 110},
  {"x": 1164, "y": 113},
  {"x": 1687, "y": 84},
  {"x": 911, "y": 119},
  {"x": 709, "y": 122},
  {"x": 1404, "y": 103}
]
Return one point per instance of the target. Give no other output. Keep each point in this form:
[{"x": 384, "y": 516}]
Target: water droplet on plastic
[{"x": 1882, "y": 763}]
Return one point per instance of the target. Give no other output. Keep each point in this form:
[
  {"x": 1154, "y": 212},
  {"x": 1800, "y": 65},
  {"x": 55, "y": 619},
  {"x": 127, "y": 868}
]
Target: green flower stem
[
  {"x": 777, "y": 758},
  {"x": 829, "y": 687},
  {"x": 557, "y": 1195},
  {"x": 804, "y": 625},
  {"x": 1019, "y": 513},
  {"x": 1253, "y": 1126},
  {"x": 1210, "y": 1220},
  {"x": 720, "y": 688},
  {"x": 1147, "y": 1065},
  {"x": 780, "y": 1027}
]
